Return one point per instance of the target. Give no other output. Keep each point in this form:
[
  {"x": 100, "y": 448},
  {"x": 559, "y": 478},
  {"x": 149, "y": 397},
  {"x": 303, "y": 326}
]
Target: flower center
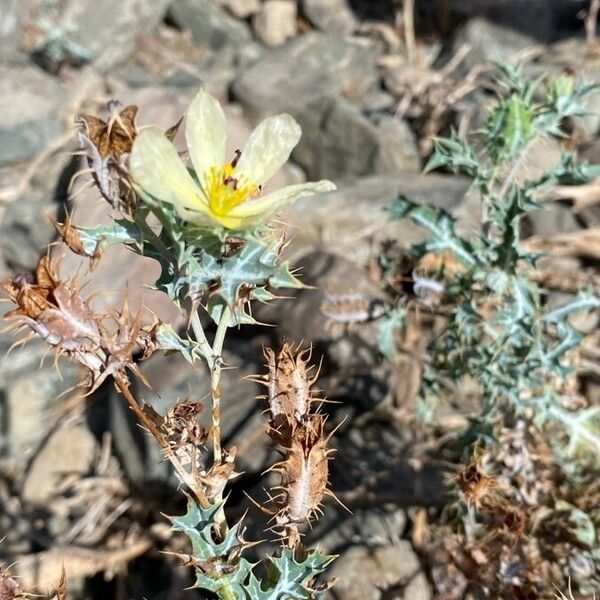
[{"x": 225, "y": 190}]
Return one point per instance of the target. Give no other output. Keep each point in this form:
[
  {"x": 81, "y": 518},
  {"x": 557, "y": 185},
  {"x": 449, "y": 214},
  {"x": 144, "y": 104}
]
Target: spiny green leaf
[
  {"x": 288, "y": 578},
  {"x": 168, "y": 339},
  {"x": 509, "y": 128},
  {"x": 389, "y": 324},
  {"x": 220, "y": 568},
  {"x": 583, "y": 429},
  {"x": 584, "y": 301},
  {"x": 570, "y": 171},
  {"x": 455, "y": 154},
  {"x": 439, "y": 223},
  {"x": 102, "y": 236}
]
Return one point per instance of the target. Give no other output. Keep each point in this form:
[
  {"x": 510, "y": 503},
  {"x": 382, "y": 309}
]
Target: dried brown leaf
[
  {"x": 113, "y": 137},
  {"x": 61, "y": 591},
  {"x": 72, "y": 238},
  {"x": 585, "y": 244},
  {"x": 9, "y": 588}
]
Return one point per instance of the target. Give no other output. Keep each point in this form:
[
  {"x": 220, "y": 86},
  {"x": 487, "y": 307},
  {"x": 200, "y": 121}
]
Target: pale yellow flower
[{"x": 225, "y": 193}]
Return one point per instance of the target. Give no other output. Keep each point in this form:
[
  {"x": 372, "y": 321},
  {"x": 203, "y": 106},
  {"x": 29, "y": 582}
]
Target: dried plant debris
[
  {"x": 54, "y": 310},
  {"x": 72, "y": 237},
  {"x": 429, "y": 97},
  {"x": 520, "y": 527},
  {"x": 106, "y": 145},
  {"x": 10, "y": 589}
]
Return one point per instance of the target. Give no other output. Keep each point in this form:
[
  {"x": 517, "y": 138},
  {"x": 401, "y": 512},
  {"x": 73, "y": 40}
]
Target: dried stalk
[
  {"x": 408, "y": 16},
  {"x": 591, "y": 22},
  {"x": 122, "y": 383}
]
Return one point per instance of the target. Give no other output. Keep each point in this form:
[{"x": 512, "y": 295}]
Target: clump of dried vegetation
[
  {"x": 523, "y": 518},
  {"x": 218, "y": 254}
]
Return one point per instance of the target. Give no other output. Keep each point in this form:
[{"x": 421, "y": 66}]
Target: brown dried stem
[
  {"x": 122, "y": 383},
  {"x": 591, "y": 22},
  {"x": 409, "y": 29}
]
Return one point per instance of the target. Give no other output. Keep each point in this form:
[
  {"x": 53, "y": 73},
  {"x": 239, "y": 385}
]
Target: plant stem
[
  {"x": 201, "y": 340},
  {"x": 215, "y": 376},
  {"x": 514, "y": 170},
  {"x": 591, "y": 22},
  {"x": 122, "y": 383},
  {"x": 409, "y": 30}
]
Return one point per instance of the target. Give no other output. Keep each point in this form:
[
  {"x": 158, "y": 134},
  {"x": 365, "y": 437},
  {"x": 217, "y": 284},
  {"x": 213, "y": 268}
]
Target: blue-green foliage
[
  {"x": 221, "y": 568},
  {"x": 499, "y": 331},
  {"x": 200, "y": 265}
]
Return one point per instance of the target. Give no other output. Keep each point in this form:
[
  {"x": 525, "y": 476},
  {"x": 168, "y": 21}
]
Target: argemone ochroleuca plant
[{"x": 208, "y": 227}]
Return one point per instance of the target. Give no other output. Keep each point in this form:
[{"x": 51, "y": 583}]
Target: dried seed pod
[
  {"x": 347, "y": 308},
  {"x": 115, "y": 136},
  {"x": 304, "y": 473},
  {"x": 55, "y": 311},
  {"x": 184, "y": 434},
  {"x": 288, "y": 383},
  {"x": 217, "y": 477},
  {"x": 300, "y": 432},
  {"x": 182, "y": 427},
  {"x": 475, "y": 486}
]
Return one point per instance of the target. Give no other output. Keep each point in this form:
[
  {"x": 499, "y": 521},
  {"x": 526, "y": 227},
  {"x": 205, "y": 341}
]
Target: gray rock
[
  {"x": 373, "y": 573},
  {"x": 241, "y": 8},
  {"x": 334, "y": 16},
  {"x": 25, "y": 231},
  {"x": 309, "y": 66},
  {"x": 214, "y": 73},
  {"x": 537, "y": 18},
  {"x": 550, "y": 220},
  {"x": 209, "y": 23},
  {"x": 29, "y": 103},
  {"x": 378, "y": 102},
  {"x": 339, "y": 142},
  {"x": 106, "y": 31},
  {"x": 27, "y": 395},
  {"x": 490, "y": 42},
  {"x": 275, "y": 22},
  {"x": 10, "y": 32},
  {"x": 52, "y": 463},
  {"x": 382, "y": 525},
  {"x": 351, "y": 221}
]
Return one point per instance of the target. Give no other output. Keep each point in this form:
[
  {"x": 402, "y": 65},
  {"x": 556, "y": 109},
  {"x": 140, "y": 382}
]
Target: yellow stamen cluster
[{"x": 226, "y": 190}]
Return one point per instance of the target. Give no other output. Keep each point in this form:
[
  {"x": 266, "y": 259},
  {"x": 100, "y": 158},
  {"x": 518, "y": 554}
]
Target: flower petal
[
  {"x": 253, "y": 212},
  {"x": 268, "y": 147},
  {"x": 156, "y": 166},
  {"x": 205, "y": 133}
]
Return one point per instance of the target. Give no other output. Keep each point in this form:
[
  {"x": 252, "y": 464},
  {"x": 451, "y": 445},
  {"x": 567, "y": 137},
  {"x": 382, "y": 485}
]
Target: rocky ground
[{"x": 368, "y": 100}]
